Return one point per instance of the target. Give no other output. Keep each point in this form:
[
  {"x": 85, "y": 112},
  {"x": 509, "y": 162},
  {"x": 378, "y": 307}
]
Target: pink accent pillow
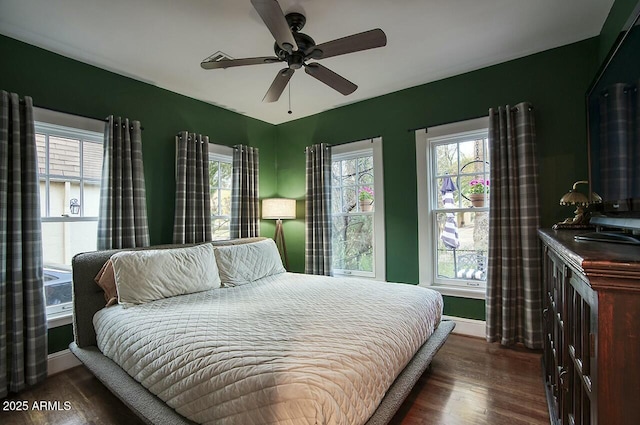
[{"x": 106, "y": 279}]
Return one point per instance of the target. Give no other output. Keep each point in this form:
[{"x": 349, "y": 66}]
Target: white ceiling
[{"x": 162, "y": 42}]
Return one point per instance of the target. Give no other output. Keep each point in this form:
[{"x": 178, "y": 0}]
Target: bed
[{"x": 282, "y": 348}]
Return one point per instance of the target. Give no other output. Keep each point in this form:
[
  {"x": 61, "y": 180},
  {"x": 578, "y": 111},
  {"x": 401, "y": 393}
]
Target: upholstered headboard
[{"x": 88, "y": 297}]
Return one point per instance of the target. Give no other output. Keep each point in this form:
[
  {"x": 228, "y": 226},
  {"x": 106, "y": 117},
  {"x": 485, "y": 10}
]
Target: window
[
  {"x": 69, "y": 169},
  {"x": 220, "y": 179},
  {"x": 457, "y": 153},
  {"x": 357, "y": 204}
]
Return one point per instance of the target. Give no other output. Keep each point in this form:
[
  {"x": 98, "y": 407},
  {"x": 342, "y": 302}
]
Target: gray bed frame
[{"x": 88, "y": 298}]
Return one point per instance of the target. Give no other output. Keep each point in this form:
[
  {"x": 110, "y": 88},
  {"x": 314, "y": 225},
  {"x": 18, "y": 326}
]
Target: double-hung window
[
  {"x": 453, "y": 201},
  {"x": 70, "y": 151},
  {"x": 220, "y": 180},
  {"x": 357, "y": 203}
]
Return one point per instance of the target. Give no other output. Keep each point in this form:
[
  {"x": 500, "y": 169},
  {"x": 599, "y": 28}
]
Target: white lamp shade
[{"x": 275, "y": 208}]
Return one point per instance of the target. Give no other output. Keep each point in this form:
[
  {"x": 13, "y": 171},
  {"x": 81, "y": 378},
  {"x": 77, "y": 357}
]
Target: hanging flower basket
[
  {"x": 477, "y": 199},
  {"x": 366, "y": 199},
  {"x": 366, "y": 206}
]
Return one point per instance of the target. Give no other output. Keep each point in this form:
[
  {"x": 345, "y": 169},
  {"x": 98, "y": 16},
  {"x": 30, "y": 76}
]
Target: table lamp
[{"x": 581, "y": 201}]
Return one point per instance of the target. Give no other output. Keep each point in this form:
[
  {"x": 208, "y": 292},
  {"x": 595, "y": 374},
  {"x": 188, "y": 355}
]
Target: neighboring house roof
[{"x": 64, "y": 157}]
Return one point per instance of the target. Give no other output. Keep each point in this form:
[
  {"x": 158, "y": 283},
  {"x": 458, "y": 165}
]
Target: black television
[{"x": 613, "y": 117}]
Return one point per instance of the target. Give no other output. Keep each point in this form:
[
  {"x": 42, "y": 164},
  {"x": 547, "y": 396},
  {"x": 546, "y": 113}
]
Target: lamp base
[
  {"x": 279, "y": 240},
  {"x": 579, "y": 221}
]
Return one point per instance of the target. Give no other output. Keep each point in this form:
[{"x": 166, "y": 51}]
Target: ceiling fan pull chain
[{"x": 289, "y": 111}]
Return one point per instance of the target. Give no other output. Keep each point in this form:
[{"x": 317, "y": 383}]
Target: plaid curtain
[
  {"x": 317, "y": 251},
  {"x": 122, "y": 220},
  {"x": 514, "y": 294},
  {"x": 245, "y": 194},
  {"x": 192, "y": 221},
  {"x": 23, "y": 321}
]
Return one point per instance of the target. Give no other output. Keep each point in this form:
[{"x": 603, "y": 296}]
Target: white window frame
[
  {"x": 71, "y": 126},
  {"x": 426, "y": 231},
  {"x": 351, "y": 150},
  {"x": 220, "y": 153}
]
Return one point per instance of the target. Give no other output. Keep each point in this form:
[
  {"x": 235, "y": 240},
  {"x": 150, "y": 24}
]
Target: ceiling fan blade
[
  {"x": 278, "y": 85},
  {"x": 330, "y": 78},
  {"x": 228, "y": 63},
  {"x": 352, "y": 43},
  {"x": 271, "y": 14}
]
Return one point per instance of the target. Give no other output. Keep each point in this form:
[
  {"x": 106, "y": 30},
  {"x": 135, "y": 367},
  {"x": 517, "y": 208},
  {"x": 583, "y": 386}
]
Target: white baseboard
[
  {"x": 468, "y": 327},
  {"x": 62, "y": 360}
]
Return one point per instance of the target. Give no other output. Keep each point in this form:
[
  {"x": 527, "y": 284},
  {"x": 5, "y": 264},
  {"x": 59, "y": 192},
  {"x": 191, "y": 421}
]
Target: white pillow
[
  {"x": 241, "y": 264},
  {"x": 148, "y": 275}
]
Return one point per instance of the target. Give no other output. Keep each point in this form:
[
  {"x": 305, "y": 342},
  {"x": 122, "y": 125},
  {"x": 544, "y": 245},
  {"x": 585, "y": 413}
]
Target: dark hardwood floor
[{"x": 470, "y": 382}]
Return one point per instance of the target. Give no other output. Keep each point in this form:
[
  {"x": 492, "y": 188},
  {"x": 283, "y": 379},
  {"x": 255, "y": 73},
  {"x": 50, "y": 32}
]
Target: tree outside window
[
  {"x": 220, "y": 178},
  {"x": 353, "y": 206}
]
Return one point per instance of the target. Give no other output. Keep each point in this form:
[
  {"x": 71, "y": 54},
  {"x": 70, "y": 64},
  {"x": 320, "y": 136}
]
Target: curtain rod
[
  {"x": 73, "y": 113},
  {"x": 350, "y": 141},
  {"x": 411, "y": 130},
  {"x": 424, "y": 127}
]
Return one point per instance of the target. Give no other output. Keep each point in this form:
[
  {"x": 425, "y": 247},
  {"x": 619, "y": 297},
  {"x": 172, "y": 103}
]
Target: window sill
[
  {"x": 452, "y": 291},
  {"x": 57, "y": 320}
]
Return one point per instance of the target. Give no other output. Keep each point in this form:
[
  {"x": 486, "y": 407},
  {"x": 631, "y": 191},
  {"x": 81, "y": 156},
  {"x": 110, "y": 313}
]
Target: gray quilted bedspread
[{"x": 287, "y": 349}]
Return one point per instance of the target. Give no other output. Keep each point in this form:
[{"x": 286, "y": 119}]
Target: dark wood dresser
[{"x": 591, "y": 313}]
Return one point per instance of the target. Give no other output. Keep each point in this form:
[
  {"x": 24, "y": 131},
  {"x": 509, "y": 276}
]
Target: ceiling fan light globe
[{"x": 295, "y": 61}]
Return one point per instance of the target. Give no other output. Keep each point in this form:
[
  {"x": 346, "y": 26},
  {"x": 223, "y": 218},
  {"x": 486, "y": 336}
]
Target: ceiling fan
[{"x": 296, "y": 49}]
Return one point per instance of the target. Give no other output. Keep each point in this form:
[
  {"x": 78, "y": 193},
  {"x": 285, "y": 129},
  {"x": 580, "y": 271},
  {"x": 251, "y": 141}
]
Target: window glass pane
[
  {"x": 225, "y": 202},
  {"x": 220, "y": 228},
  {"x": 348, "y": 172},
  {"x": 349, "y": 197},
  {"x": 353, "y": 242},
  {"x": 446, "y": 159},
  {"x": 57, "y": 285},
  {"x": 62, "y": 240},
  {"x": 41, "y": 148},
  {"x": 225, "y": 175},
  {"x": 91, "y": 205},
  {"x": 336, "y": 199},
  {"x": 214, "y": 174},
  {"x": 214, "y": 199},
  {"x": 365, "y": 170},
  {"x": 64, "y": 156},
  {"x": 43, "y": 198},
  {"x": 462, "y": 196},
  {"x": 469, "y": 260},
  {"x": 336, "y": 174},
  {"x": 91, "y": 160},
  {"x": 60, "y": 194},
  {"x": 467, "y": 156}
]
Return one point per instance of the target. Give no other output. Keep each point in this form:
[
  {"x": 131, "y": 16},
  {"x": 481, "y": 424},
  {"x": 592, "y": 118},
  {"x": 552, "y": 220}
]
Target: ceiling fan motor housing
[{"x": 295, "y": 59}]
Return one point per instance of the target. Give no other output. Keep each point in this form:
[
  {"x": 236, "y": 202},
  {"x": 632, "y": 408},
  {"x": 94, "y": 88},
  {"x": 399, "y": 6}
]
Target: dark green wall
[
  {"x": 554, "y": 81},
  {"x": 59, "y": 338},
  {"x": 63, "y": 84},
  {"x": 618, "y": 16}
]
